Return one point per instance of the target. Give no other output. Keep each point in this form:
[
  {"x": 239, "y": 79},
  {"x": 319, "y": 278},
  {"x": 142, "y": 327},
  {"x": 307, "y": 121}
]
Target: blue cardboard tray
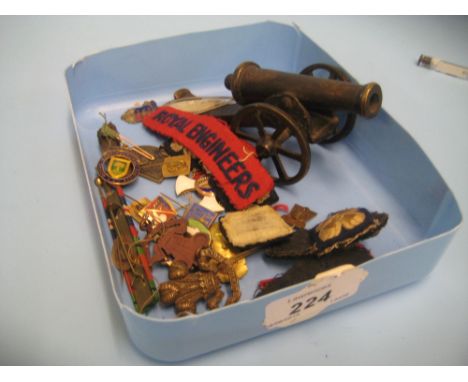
[{"x": 379, "y": 166}]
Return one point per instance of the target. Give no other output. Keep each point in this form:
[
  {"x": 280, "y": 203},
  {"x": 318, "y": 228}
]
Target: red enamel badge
[{"x": 241, "y": 175}]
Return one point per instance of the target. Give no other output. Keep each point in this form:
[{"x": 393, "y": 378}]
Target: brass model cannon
[
  {"x": 282, "y": 108},
  {"x": 282, "y": 113}
]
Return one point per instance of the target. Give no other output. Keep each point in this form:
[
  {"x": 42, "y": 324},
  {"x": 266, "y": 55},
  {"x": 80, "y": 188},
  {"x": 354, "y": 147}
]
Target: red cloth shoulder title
[{"x": 242, "y": 177}]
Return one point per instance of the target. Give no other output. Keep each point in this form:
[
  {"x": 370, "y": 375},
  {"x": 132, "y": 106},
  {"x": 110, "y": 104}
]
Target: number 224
[{"x": 309, "y": 303}]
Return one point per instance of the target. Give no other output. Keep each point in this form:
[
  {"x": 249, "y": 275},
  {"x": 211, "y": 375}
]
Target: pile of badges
[{"x": 232, "y": 212}]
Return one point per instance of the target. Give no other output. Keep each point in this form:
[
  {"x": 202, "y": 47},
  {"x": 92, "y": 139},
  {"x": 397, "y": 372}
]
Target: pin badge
[
  {"x": 155, "y": 212},
  {"x": 152, "y": 169},
  {"x": 200, "y": 213},
  {"x": 109, "y": 136},
  {"x": 136, "y": 114},
  {"x": 118, "y": 167},
  {"x": 175, "y": 166},
  {"x": 202, "y": 188},
  {"x": 299, "y": 216}
]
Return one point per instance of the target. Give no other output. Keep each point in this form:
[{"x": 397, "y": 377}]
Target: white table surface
[{"x": 57, "y": 306}]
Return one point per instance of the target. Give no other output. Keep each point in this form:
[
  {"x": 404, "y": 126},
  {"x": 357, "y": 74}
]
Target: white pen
[{"x": 443, "y": 66}]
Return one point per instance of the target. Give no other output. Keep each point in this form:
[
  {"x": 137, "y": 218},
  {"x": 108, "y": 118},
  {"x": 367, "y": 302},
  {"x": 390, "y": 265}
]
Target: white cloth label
[{"x": 314, "y": 298}]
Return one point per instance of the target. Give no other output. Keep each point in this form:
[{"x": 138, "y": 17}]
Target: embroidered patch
[
  {"x": 343, "y": 228},
  {"x": 221, "y": 151},
  {"x": 310, "y": 267},
  {"x": 256, "y": 225},
  {"x": 340, "y": 230},
  {"x": 295, "y": 245}
]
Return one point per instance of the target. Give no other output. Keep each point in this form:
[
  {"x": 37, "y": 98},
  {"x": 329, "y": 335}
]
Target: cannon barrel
[{"x": 250, "y": 83}]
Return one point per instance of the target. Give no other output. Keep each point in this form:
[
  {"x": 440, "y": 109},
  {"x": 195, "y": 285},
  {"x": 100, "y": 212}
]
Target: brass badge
[
  {"x": 175, "y": 166},
  {"x": 220, "y": 246},
  {"x": 299, "y": 216},
  {"x": 136, "y": 208},
  {"x": 152, "y": 169}
]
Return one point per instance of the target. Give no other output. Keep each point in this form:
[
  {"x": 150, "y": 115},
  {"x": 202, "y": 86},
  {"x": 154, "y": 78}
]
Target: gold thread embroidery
[
  {"x": 348, "y": 241},
  {"x": 332, "y": 227}
]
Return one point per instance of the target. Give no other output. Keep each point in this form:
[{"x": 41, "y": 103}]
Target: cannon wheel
[
  {"x": 334, "y": 74},
  {"x": 273, "y": 127}
]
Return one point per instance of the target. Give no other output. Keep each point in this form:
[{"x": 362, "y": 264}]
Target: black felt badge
[
  {"x": 340, "y": 230},
  {"x": 307, "y": 268},
  {"x": 296, "y": 245},
  {"x": 344, "y": 228}
]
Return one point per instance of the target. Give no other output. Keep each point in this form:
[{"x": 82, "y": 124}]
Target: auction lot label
[{"x": 314, "y": 298}]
